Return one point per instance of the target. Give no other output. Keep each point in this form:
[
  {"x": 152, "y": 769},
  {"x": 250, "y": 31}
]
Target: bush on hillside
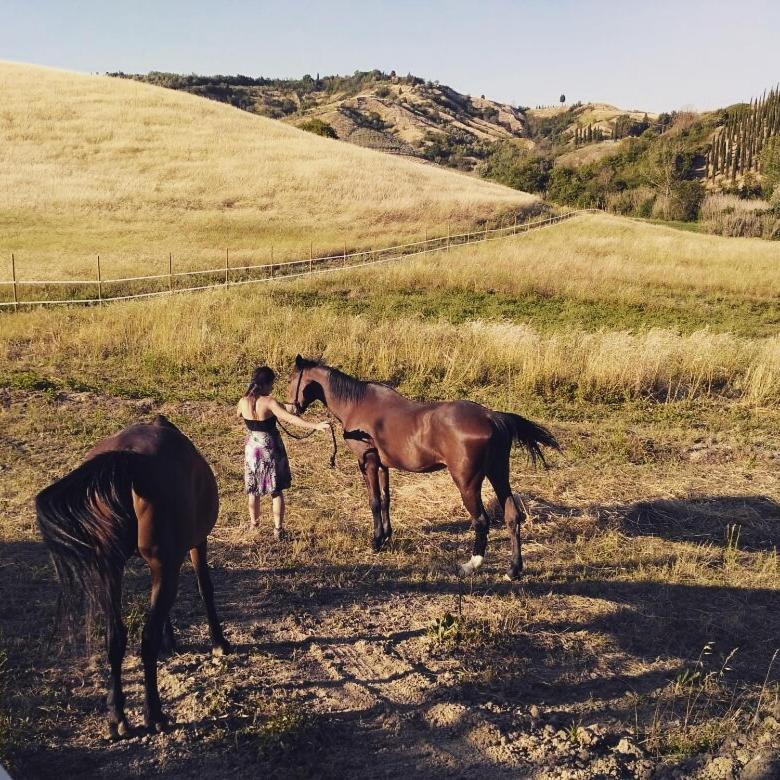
[
  {"x": 318, "y": 127},
  {"x": 512, "y": 165}
]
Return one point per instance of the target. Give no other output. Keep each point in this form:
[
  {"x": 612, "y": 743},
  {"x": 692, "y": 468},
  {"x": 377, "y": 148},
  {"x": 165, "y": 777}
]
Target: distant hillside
[
  {"x": 92, "y": 165},
  {"x": 593, "y": 154},
  {"x": 398, "y": 114}
]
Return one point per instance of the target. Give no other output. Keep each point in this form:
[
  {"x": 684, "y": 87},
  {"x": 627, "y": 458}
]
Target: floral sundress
[{"x": 266, "y": 467}]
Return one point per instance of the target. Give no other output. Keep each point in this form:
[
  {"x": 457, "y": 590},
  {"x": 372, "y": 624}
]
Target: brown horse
[
  {"x": 385, "y": 430},
  {"x": 146, "y": 489}
]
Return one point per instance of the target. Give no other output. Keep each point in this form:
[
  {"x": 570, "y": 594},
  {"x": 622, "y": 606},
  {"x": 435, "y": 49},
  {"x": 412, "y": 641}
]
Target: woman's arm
[
  {"x": 282, "y": 414},
  {"x": 239, "y": 413}
]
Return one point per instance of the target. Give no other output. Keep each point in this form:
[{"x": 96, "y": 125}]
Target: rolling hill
[
  {"x": 93, "y": 165},
  {"x": 399, "y": 114}
]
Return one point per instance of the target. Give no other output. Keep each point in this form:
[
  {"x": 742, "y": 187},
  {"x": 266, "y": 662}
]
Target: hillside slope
[
  {"x": 398, "y": 114},
  {"x": 90, "y": 165}
]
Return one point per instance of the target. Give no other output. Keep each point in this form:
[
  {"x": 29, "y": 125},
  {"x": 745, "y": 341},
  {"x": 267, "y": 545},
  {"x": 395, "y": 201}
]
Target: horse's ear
[{"x": 298, "y": 361}]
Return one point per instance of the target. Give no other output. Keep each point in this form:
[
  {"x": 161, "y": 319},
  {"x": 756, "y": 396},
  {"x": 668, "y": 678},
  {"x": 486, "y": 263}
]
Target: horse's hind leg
[
  {"x": 200, "y": 564},
  {"x": 513, "y": 516},
  {"x": 165, "y": 577},
  {"x": 384, "y": 485},
  {"x": 116, "y": 644},
  {"x": 471, "y": 493}
]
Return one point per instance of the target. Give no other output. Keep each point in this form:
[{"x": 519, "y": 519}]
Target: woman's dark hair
[{"x": 261, "y": 377}]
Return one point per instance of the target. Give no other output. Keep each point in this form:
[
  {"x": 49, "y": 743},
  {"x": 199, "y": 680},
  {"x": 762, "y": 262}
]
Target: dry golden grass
[
  {"x": 191, "y": 346},
  {"x": 594, "y": 257},
  {"x": 91, "y": 165}
]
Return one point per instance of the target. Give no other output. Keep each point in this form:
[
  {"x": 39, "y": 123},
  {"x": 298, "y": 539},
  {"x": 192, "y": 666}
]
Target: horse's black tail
[
  {"x": 512, "y": 427},
  {"x": 89, "y": 525}
]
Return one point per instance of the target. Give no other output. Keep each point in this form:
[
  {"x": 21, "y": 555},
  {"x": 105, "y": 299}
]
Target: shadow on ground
[{"x": 541, "y": 660}]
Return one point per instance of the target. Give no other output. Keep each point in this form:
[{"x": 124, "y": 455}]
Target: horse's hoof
[
  {"x": 159, "y": 723},
  {"x": 118, "y": 730},
  {"x": 514, "y": 574},
  {"x": 471, "y": 566},
  {"x": 123, "y": 728},
  {"x": 221, "y": 647},
  {"x": 166, "y": 651}
]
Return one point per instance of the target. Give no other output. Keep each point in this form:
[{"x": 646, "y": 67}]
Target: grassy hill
[
  {"x": 650, "y": 545},
  {"x": 399, "y": 114},
  {"x": 93, "y": 165}
]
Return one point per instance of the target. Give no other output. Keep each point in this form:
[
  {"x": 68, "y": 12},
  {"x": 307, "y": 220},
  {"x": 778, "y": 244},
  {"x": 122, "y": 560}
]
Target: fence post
[
  {"x": 448, "y": 236},
  {"x": 100, "y": 281},
  {"x": 345, "y": 253},
  {"x": 227, "y": 265},
  {"x": 170, "y": 272},
  {"x": 514, "y": 232},
  {"x": 311, "y": 255},
  {"x": 13, "y": 277}
]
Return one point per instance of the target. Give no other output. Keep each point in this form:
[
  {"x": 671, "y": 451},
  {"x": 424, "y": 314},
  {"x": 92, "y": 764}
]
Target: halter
[{"x": 298, "y": 407}]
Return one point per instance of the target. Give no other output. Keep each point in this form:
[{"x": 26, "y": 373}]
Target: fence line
[{"x": 273, "y": 271}]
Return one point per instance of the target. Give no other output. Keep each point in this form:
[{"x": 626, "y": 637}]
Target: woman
[{"x": 266, "y": 468}]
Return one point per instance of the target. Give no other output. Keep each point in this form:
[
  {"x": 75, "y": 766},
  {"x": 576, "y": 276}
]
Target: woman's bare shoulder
[{"x": 263, "y": 407}]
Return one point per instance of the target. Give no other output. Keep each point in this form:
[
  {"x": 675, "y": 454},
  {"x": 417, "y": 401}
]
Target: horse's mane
[{"x": 343, "y": 386}]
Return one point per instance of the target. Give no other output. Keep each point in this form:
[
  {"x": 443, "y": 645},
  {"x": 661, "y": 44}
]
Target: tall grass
[
  {"x": 593, "y": 257},
  {"x": 203, "y": 345},
  {"x": 91, "y": 165},
  {"x": 728, "y": 215}
]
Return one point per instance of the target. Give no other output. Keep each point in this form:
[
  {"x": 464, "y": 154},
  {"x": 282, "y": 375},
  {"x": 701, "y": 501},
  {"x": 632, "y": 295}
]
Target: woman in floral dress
[{"x": 266, "y": 468}]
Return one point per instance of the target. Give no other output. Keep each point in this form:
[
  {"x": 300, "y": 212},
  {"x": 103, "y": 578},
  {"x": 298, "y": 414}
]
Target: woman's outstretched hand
[{"x": 323, "y": 426}]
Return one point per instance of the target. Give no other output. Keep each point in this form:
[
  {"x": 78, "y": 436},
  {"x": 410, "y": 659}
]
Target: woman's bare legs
[
  {"x": 278, "y": 507},
  {"x": 254, "y": 511}
]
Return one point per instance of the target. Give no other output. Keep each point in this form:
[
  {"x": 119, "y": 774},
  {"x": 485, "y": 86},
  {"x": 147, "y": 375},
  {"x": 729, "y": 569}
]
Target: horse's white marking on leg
[{"x": 474, "y": 563}]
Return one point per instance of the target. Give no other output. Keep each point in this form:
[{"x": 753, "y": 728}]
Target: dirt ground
[{"x": 611, "y": 658}]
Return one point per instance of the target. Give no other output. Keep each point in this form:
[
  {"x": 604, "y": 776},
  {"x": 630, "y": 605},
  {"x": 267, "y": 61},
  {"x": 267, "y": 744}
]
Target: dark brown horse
[
  {"x": 146, "y": 489},
  {"x": 385, "y": 430}
]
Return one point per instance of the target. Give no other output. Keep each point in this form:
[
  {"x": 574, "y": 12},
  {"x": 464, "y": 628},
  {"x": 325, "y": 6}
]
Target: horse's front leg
[
  {"x": 384, "y": 484},
  {"x": 369, "y": 467}
]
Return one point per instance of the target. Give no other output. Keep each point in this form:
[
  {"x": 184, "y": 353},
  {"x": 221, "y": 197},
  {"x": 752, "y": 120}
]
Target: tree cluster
[
  {"x": 588, "y": 135},
  {"x": 738, "y": 145}
]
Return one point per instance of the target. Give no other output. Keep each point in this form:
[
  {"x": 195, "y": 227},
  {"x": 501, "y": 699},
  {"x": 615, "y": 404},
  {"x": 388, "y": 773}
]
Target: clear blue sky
[{"x": 654, "y": 54}]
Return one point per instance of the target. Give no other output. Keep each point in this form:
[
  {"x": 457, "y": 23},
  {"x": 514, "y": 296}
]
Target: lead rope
[{"x": 306, "y": 435}]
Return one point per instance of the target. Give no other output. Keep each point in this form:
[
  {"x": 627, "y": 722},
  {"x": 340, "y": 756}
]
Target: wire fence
[{"x": 100, "y": 290}]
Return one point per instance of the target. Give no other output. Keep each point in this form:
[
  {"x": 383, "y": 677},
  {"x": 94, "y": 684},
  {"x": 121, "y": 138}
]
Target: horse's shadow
[{"x": 750, "y": 522}]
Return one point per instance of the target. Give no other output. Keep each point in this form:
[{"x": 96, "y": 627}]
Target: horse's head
[{"x": 303, "y": 389}]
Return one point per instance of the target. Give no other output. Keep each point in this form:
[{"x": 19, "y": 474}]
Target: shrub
[
  {"x": 318, "y": 127},
  {"x": 510, "y": 164},
  {"x": 730, "y": 215}
]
